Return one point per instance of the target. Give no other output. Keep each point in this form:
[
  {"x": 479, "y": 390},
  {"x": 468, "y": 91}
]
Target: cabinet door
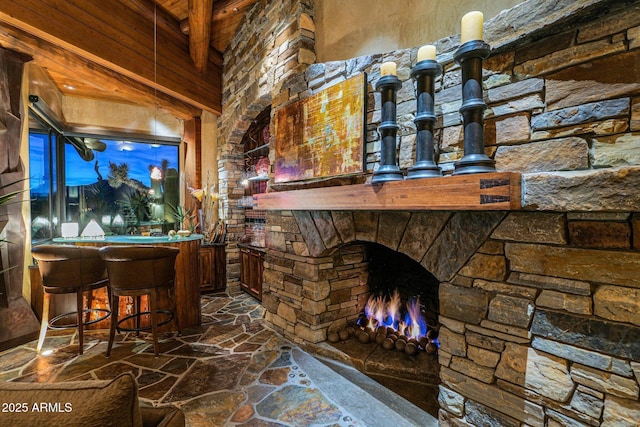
[
  {"x": 206, "y": 269},
  {"x": 245, "y": 269},
  {"x": 219, "y": 266},
  {"x": 256, "y": 274}
]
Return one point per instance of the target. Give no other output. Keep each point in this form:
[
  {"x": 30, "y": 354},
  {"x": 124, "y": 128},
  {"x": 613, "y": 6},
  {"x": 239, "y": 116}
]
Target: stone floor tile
[
  {"x": 207, "y": 376},
  {"x": 299, "y": 406},
  {"x": 178, "y": 365},
  {"x": 157, "y": 391},
  {"x": 148, "y": 377},
  {"x": 148, "y": 360},
  {"x": 246, "y": 348},
  {"x": 112, "y": 370},
  {"x": 212, "y": 410},
  {"x": 277, "y": 376}
]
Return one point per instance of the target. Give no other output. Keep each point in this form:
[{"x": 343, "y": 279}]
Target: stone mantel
[{"x": 490, "y": 191}]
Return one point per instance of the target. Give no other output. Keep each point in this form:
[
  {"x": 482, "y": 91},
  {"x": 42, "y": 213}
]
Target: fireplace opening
[{"x": 394, "y": 339}]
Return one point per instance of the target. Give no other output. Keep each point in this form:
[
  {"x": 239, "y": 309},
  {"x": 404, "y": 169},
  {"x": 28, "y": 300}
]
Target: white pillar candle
[
  {"x": 427, "y": 52},
  {"x": 388, "y": 69},
  {"x": 471, "y": 27}
]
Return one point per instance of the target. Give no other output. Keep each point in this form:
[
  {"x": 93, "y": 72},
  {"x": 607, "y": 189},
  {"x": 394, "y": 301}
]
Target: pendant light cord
[{"x": 155, "y": 67}]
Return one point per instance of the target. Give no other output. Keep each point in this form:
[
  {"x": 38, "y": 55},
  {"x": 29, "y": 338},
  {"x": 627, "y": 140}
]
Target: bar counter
[{"x": 187, "y": 285}]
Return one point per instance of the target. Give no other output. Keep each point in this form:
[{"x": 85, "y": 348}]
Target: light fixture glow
[
  {"x": 156, "y": 173},
  {"x": 118, "y": 221},
  {"x": 69, "y": 230},
  {"x": 93, "y": 230}
]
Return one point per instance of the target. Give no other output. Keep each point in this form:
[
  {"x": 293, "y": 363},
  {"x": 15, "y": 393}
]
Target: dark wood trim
[{"x": 490, "y": 191}]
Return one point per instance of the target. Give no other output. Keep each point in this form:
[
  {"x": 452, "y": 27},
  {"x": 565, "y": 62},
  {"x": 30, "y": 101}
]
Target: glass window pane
[
  {"x": 126, "y": 186},
  {"x": 42, "y": 171}
]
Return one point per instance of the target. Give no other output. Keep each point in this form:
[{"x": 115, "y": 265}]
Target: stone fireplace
[
  {"x": 539, "y": 301},
  {"x": 533, "y": 305}
]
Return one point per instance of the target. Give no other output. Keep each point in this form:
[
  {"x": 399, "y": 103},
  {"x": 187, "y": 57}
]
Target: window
[
  {"x": 124, "y": 185},
  {"x": 44, "y": 182},
  {"x": 127, "y": 186}
]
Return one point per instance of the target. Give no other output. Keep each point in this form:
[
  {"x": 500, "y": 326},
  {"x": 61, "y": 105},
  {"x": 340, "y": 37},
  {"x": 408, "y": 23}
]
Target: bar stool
[
  {"x": 70, "y": 270},
  {"x": 137, "y": 270}
]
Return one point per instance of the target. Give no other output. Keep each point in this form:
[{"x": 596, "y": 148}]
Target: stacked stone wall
[
  {"x": 263, "y": 66},
  {"x": 564, "y": 111},
  {"x": 538, "y": 308},
  {"x": 539, "y": 311}
]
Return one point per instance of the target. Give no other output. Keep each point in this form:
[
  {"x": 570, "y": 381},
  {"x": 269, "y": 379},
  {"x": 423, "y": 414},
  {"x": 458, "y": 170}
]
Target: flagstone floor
[{"x": 232, "y": 371}]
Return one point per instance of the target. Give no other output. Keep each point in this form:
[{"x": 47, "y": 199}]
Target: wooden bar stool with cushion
[
  {"x": 70, "y": 270},
  {"x": 135, "y": 271}
]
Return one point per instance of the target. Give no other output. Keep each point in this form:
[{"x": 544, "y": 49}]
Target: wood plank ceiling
[{"x": 156, "y": 53}]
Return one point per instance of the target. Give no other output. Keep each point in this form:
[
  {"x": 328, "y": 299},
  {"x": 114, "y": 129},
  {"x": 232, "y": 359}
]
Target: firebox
[{"x": 394, "y": 338}]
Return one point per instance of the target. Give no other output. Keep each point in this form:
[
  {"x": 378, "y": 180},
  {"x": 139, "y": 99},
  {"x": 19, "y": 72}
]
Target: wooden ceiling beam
[
  {"x": 111, "y": 34},
  {"x": 200, "y": 13},
  {"x": 60, "y": 61}
]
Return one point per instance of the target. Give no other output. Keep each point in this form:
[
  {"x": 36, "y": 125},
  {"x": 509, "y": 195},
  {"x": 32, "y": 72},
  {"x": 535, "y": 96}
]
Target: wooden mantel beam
[
  {"x": 481, "y": 191},
  {"x": 200, "y": 13},
  {"x": 115, "y": 36}
]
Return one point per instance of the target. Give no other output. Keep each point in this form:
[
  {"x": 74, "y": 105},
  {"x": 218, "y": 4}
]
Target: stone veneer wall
[
  {"x": 263, "y": 65},
  {"x": 539, "y": 308},
  {"x": 539, "y": 311}
]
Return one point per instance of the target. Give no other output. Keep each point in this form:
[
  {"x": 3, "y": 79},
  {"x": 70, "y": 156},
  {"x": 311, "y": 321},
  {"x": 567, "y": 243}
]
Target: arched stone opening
[
  {"x": 390, "y": 271},
  {"x": 366, "y": 270}
]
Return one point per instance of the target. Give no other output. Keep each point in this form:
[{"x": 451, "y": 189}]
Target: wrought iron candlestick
[
  {"x": 425, "y": 73},
  {"x": 388, "y": 171},
  {"x": 470, "y": 56}
]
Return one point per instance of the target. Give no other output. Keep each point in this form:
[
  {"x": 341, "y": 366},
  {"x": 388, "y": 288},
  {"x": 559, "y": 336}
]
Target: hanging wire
[{"x": 155, "y": 68}]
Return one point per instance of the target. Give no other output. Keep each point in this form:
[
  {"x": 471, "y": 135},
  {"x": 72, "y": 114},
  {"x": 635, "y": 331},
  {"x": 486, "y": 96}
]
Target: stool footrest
[
  {"x": 52, "y": 322},
  {"x": 143, "y": 328}
]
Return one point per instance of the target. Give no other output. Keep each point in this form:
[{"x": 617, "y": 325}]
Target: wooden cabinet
[
  {"x": 213, "y": 267},
  {"x": 251, "y": 267}
]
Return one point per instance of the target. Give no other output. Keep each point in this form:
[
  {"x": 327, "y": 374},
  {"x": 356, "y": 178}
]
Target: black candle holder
[
  {"x": 470, "y": 56},
  {"x": 425, "y": 73},
  {"x": 388, "y": 171}
]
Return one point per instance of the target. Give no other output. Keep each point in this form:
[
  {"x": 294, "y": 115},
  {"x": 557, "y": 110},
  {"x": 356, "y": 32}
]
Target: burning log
[
  {"x": 387, "y": 325},
  {"x": 388, "y": 344},
  {"x": 383, "y": 323},
  {"x": 411, "y": 349},
  {"x": 363, "y": 337}
]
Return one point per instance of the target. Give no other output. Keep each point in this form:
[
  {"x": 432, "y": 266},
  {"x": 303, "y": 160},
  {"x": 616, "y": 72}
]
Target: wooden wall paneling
[
  {"x": 101, "y": 79},
  {"x": 111, "y": 34}
]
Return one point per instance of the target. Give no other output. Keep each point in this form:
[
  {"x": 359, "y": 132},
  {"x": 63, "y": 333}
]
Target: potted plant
[{"x": 183, "y": 216}]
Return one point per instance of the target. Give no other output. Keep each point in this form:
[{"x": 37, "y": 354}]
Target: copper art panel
[{"x": 322, "y": 135}]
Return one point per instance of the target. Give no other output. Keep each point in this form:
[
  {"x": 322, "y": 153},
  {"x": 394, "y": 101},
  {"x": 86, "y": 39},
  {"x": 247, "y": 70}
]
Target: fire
[
  {"x": 383, "y": 311},
  {"x": 417, "y": 324}
]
